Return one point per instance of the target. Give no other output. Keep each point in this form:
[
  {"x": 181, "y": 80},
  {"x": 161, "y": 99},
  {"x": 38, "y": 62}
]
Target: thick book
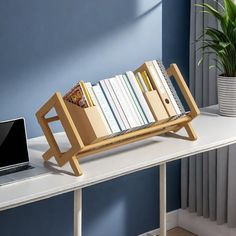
[
  {"x": 167, "y": 88},
  {"x": 131, "y": 102},
  {"x": 140, "y": 97},
  {"x": 118, "y": 91},
  {"x": 158, "y": 85},
  {"x": 106, "y": 109},
  {"x": 96, "y": 103},
  {"x": 112, "y": 105},
  {"x": 171, "y": 87}
]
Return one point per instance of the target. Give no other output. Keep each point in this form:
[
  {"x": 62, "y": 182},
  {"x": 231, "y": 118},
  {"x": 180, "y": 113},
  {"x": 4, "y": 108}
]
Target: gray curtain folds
[{"x": 208, "y": 184}]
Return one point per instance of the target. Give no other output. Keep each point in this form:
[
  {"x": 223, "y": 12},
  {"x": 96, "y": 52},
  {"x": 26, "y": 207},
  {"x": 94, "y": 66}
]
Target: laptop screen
[{"x": 13, "y": 145}]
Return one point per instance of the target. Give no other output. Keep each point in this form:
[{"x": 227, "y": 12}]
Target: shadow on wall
[
  {"x": 47, "y": 45},
  {"x": 34, "y": 31}
]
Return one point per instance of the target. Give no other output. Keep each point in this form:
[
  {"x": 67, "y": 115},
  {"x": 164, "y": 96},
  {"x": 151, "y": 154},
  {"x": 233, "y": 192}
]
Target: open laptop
[{"x": 14, "y": 158}]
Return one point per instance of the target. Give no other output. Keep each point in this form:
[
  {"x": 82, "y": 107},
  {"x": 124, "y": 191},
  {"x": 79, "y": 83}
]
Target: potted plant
[{"x": 222, "y": 43}]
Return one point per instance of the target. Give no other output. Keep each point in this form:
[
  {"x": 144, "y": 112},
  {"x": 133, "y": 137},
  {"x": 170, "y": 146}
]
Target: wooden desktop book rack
[{"x": 85, "y": 129}]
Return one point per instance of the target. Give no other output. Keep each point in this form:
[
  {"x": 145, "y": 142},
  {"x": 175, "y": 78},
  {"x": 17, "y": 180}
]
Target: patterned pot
[{"x": 227, "y": 95}]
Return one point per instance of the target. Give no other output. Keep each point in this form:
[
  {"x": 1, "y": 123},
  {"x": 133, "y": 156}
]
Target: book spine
[
  {"x": 141, "y": 82},
  {"x": 172, "y": 89},
  {"x": 145, "y": 121},
  {"x": 140, "y": 96},
  {"x": 128, "y": 103},
  {"x": 147, "y": 80},
  {"x": 161, "y": 90},
  {"x": 112, "y": 105},
  {"x": 86, "y": 93},
  {"x": 118, "y": 106},
  {"x": 131, "y": 102},
  {"x": 106, "y": 109},
  {"x": 167, "y": 88},
  {"x": 95, "y": 102},
  {"x": 122, "y": 101}
]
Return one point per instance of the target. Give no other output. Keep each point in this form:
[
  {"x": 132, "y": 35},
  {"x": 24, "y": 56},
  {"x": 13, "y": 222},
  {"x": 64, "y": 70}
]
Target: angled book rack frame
[{"x": 84, "y": 130}]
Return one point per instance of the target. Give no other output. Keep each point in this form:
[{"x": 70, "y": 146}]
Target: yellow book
[
  {"x": 146, "y": 80},
  {"x": 141, "y": 81},
  {"x": 86, "y": 93},
  {"x": 157, "y": 85},
  {"x": 139, "y": 84}
]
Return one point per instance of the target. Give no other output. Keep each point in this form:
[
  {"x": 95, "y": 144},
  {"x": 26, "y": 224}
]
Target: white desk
[{"x": 214, "y": 131}]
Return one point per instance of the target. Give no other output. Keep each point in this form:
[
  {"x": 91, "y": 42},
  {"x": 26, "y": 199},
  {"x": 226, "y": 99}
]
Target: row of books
[{"x": 122, "y": 100}]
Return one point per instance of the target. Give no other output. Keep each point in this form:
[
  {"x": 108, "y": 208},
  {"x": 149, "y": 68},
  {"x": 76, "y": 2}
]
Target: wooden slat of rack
[
  {"x": 146, "y": 132},
  {"x": 122, "y": 142},
  {"x": 79, "y": 150},
  {"x": 174, "y": 71}
]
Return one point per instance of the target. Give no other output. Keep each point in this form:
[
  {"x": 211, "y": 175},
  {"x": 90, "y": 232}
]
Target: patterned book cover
[{"x": 77, "y": 96}]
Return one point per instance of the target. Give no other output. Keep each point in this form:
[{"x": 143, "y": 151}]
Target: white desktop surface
[{"x": 213, "y": 131}]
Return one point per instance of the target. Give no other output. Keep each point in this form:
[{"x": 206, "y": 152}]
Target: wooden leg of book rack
[
  {"x": 74, "y": 163},
  {"x": 190, "y": 131},
  {"x": 174, "y": 71},
  {"x": 177, "y": 128},
  {"x": 48, "y": 155}
]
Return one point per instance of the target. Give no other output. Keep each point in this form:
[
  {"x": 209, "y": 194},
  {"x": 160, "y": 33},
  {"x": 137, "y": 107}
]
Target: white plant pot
[{"x": 227, "y": 95}]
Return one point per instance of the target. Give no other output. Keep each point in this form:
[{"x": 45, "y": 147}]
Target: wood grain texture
[
  {"x": 85, "y": 129},
  {"x": 174, "y": 71}
]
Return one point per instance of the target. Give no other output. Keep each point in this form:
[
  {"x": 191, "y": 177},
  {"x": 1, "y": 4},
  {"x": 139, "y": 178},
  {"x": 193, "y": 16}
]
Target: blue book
[
  {"x": 112, "y": 105},
  {"x": 111, "y": 120}
]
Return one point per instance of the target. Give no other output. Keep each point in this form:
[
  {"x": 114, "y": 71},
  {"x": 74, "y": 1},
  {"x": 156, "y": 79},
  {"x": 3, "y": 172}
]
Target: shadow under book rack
[{"x": 85, "y": 129}]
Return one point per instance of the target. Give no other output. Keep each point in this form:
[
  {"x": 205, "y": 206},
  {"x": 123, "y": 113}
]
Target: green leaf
[
  {"x": 230, "y": 9},
  {"x": 211, "y": 10},
  {"x": 224, "y": 44},
  {"x": 220, "y": 42},
  {"x": 200, "y": 61}
]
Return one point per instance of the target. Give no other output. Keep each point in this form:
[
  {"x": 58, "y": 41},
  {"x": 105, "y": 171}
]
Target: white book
[
  {"x": 163, "y": 80},
  {"x": 122, "y": 102},
  {"x": 131, "y": 101},
  {"x": 140, "y": 110},
  {"x": 95, "y": 102},
  {"x": 128, "y": 102},
  {"x": 118, "y": 106},
  {"x": 106, "y": 109},
  {"x": 140, "y": 96},
  {"x": 141, "y": 81},
  {"x": 112, "y": 105}
]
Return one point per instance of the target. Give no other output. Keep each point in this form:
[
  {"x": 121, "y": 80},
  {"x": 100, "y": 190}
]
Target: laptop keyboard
[{"x": 16, "y": 169}]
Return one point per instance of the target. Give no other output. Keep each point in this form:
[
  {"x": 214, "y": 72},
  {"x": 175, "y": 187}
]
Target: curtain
[{"x": 208, "y": 180}]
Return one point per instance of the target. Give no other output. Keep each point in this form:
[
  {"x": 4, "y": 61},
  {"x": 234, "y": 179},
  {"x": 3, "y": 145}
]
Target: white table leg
[
  {"x": 163, "y": 230},
  {"x": 78, "y": 212}
]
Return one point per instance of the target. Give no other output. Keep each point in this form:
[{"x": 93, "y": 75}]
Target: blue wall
[
  {"x": 47, "y": 46},
  {"x": 175, "y": 37}
]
